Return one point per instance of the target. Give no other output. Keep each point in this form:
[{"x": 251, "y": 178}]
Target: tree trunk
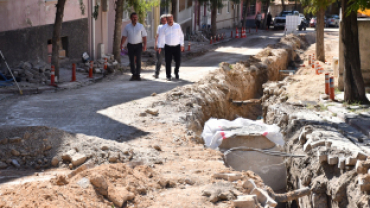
[
  {"x": 295, "y": 4},
  {"x": 174, "y": 10},
  {"x": 320, "y": 45},
  {"x": 117, "y": 30},
  {"x": 213, "y": 18},
  {"x": 265, "y": 19},
  {"x": 245, "y": 13},
  {"x": 283, "y": 4},
  {"x": 56, "y": 34},
  {"x": 354, "y": 88}
]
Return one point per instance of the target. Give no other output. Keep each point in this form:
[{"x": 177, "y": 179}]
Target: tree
[
  {"x": 354, "y": 88},
  {"x": 117, "y": 30},
  {"x": 215, "y": 5},
  {"x": 318, "y": 7},
  {"x": 56, "y": 35},
  {"x": 57, "y": 30},
  {"x": 267, "y": 2},
  {"x": 245, "y": 13},
  {"x": 141, "y": 7}
]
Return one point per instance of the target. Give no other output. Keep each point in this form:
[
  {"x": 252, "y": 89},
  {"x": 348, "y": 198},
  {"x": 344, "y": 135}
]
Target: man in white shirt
[
  {"x": 161, "y": 54},
  {"x": 135, "y": 34},
  {"x": 258, "y": 20},
  {"x": 171, "y": 38}
]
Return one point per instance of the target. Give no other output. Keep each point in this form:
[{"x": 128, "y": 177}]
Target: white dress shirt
[
  {"x": 158, "y": 29},
  {"x": 170, "y": 35},
  {"x": 135, "y": 33}
]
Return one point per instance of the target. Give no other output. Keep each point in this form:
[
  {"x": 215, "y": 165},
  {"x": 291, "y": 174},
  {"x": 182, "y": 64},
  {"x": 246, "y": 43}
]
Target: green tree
[
  {"x": 215, "y": 4},
  {"x": 318, "y": 7},
  {"x": 57, "y": 28},
  {"x": 354, "y": 88},
  {"x": 141, "y": 7}
]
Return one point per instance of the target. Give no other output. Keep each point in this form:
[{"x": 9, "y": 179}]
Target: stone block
[
  {"x": 332, "y": 160},
  {"x": 360, "y": 155},
  {"x": 351, "y": 161},
  {"x": 322, "y": 156},
  {"x": 364, "y": 182},
  {"x": 245, "y": 201},
  {"x": 227, "y": 176},
  {"x": 78, "y": 159}
]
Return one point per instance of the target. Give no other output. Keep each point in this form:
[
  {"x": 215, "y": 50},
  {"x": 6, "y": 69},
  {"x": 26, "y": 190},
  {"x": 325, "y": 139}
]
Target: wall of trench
[
  {"x": 336, "y": 164},
  {"x": 212, "y": 96}
]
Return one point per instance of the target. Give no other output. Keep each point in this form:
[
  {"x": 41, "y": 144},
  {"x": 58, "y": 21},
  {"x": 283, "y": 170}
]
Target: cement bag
[{"x": 215, "y": 130}]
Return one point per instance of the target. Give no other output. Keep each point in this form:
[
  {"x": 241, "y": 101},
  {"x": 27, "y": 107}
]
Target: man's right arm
[{"x": 123, "y": 40}]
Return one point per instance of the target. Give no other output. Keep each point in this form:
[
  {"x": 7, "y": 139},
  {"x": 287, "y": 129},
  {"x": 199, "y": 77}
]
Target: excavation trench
[{"x": 234, "y": 91}]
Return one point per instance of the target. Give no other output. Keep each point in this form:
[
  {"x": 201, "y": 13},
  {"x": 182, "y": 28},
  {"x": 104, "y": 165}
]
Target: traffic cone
[
  {"x": 91, "y": 69},
  {"x": 332, "y": 93},
  {"x": 327, "y": 84},
  {"x": 189, "y": 46},
  {"x": 210, "y": 42},
  {"x": 52, "y": 76},
  {"x": 73, "y": 73}
]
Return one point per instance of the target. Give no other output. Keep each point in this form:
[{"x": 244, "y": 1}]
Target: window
[
  {"x": 182, "y": 5},
  {"x": 190, "y": 3},
  {"x": 228, "y": 6},
  {"x": 252, "y": 9}
]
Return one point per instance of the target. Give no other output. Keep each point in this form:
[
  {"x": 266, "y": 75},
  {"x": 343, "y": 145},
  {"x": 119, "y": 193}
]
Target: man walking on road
[
  {"x": 171, "y": 38},
  {"x": 156, "y": 47},
  {"x": 136, "y": 43},
  {"x": 258, "y": 20}
]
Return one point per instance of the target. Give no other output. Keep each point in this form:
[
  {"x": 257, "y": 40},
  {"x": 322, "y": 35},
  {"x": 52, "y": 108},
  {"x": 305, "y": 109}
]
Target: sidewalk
[{"x": 28, "y": 88}]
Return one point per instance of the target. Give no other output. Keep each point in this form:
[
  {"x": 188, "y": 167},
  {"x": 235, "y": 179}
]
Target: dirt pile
[
  {"x": 131, "y": 184},
  {"x": 44, "y": 147}
]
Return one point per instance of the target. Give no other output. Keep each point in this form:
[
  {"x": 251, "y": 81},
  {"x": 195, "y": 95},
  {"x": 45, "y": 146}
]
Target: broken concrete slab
[{"x": 245, "y": 201}]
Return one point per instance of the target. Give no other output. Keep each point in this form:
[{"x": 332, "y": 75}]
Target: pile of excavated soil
[
  {"x": 44, "y": 147},
  {"x": 122, "y": 185}
]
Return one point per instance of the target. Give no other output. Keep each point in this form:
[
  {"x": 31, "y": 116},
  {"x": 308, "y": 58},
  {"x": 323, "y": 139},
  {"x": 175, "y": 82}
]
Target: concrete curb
[{"x": 46, "y": 88}]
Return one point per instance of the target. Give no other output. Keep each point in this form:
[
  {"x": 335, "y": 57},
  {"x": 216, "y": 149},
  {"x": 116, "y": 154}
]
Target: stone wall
[{"x": 364, "y": 40}]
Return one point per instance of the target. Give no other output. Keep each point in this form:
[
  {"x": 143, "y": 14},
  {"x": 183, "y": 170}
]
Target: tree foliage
[
  {"x": 355, "y": 5},
  {"x": 141, "y": 7},
  {"x": 313, "y": 6}
]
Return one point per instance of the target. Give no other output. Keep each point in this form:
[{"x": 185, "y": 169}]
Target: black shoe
[
  {"x": 133, "y": 78},
  {"x": 168, "y": 79},
  {"x": 155, "y": 76},
  {"x": 138, "y": 78},
  {"x": 177, "y": 77}
]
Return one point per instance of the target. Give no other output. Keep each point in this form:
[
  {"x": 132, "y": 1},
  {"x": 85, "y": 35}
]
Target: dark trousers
[
  {"x": 159, "y": 57},
  {"x": 172, "y": 52},
  {"x": 134, "y": 50}
]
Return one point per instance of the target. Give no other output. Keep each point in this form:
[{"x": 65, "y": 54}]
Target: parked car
[
  {"x": 333, "y": 21},
  {"x": 313, "y": 22},
  {"x": 280, "y": 21}
]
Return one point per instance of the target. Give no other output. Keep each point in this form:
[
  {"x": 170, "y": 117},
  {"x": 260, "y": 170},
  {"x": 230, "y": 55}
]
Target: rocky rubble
[
  {"x": 43, "y": 147},
  {"x": 336, "y": 167}
]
